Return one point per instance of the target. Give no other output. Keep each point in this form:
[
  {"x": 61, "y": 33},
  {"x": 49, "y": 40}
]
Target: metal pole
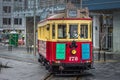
[
  {"x": 104, "y": 56},
  {"x": 81, "y": 4},
  {"x": 53, "y": 7},
  {"x": 34, "y": 13}
]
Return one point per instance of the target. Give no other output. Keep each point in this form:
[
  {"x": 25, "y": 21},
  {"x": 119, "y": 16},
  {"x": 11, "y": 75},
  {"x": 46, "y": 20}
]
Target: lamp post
[
  {"x": 81, "y": 4},
  {"x": 34, "y": 13}
]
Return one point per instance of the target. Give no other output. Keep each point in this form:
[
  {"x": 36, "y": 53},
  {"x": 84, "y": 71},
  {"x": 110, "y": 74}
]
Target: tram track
[
  {"x": 48, "y": 76},
  {"x": 76, "y": 78},
  {"x": 51, "y": 77}
]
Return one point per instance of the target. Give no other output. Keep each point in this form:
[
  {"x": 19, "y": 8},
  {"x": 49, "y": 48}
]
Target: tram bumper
[{"x": 72, "y": 67}]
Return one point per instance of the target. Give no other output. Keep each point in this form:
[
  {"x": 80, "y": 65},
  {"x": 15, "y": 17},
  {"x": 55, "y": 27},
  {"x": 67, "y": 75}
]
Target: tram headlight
[{"x": 73, "y": 51}]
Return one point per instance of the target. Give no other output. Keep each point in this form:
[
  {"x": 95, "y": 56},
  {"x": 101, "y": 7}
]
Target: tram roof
[{"x": 62, "y": 16}]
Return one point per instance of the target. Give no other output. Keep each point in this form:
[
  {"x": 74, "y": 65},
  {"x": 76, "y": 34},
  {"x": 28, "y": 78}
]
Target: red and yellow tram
[{"x": 65, "y": 42}]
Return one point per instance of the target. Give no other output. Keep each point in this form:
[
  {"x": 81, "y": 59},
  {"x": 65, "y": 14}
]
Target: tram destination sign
[{"x": 72, "y": 13}]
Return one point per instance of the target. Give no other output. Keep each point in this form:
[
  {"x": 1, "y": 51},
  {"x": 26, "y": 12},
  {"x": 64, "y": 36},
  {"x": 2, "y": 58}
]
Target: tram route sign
[{"x": 72, "y": 13}]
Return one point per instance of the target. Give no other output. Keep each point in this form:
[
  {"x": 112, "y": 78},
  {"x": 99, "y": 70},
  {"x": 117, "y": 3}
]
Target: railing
[{"x": 106, "y": 41}]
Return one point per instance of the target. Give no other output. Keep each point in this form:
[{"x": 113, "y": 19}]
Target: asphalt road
[{"x": 24, "y": 66}]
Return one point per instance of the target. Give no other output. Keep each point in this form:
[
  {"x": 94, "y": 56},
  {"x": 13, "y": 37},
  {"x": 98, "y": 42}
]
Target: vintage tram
[{"x": 65, "y": 41}]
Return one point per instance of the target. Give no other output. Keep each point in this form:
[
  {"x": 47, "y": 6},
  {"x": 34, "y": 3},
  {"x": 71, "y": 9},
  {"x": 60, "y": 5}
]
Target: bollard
[
  {"x": 99, "y": 55},
  {"x": 9, "y": 48},
  {"x": 104, "y": 56},
  {"x": 30, "y": 49},
  {"x": 27, "y": 49}
]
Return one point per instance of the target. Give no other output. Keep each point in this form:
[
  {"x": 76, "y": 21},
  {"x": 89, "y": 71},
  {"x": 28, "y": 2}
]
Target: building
[
  {"x": 40, "y": 7},
  {"x": 105, "y": 14},
  {"x": 106, "y": 20},
  {"x": 8, "y": 21}
]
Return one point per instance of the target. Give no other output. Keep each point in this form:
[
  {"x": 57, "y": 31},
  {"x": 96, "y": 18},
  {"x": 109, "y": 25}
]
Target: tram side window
[
  {"x": 73, "y": 31},
  {"x": 84, "y": 31},
  {"x": 53, "y": 31},
  {"x": 62, "y": 31}
]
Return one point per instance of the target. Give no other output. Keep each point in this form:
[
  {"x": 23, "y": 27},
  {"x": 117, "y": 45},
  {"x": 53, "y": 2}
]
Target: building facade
[
  {"x": 106, "y": 20},
  {"x": 105, "y": 14},
  {"x": 8, "y": 21}
]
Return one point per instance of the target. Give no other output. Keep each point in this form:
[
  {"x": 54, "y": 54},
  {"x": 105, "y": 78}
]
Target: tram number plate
[{"x": 73, "y": 58}]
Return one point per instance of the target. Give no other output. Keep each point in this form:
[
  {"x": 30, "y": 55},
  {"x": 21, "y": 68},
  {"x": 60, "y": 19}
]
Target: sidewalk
[
  {"x": 18, "y": 53},
  {"x": 106, "y": 55},
  {"x": 23, "y": 65}
]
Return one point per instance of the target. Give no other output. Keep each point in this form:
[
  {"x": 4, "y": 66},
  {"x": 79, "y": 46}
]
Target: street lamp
[
  {"x": 34, "y": 13},
  {"x": 81, "y": 4}
]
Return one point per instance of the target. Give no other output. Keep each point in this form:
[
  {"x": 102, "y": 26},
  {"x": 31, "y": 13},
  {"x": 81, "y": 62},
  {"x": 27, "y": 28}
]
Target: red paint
[{"x": 51, "y": 52}]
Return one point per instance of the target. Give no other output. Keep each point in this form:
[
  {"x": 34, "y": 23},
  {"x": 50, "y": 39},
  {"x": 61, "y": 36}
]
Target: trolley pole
[
  {"x": 81, "y": 4},
  {"x": 34, "y": 13}
]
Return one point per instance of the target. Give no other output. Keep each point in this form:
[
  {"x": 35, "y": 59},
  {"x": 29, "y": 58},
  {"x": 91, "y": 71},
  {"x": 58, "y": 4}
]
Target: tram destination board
[{"x": 72, "y": 13}]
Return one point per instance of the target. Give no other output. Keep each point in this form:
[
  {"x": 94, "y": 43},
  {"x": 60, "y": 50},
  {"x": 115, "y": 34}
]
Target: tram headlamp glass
[{"x": 73, "y": 51}]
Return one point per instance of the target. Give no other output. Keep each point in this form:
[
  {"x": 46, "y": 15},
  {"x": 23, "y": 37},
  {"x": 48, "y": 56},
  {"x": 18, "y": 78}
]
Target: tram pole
[
  {"x": 34, "y": 13},
  {"x": 81, "y": 4}
]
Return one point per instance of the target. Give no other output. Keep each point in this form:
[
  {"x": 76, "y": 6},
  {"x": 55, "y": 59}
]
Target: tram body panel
[{"x": 49, "y": 49}]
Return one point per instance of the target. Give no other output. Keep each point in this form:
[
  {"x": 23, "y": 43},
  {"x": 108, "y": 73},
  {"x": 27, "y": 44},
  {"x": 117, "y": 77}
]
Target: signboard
[
  {"x": 85, "y": 51},
  {"x": 60, "y": 51},
  {"x": 72, "y": 13}
]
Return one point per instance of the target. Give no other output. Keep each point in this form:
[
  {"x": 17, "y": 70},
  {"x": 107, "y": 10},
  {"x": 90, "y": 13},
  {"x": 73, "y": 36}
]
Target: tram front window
[
  {"x": 62, "y": 32},
  {"x": 84, "y": 31},
  {"x": 73, "y": 31}
]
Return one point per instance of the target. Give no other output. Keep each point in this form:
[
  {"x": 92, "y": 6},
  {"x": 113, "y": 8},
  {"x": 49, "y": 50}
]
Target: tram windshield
[
  {"x": 62, "y": 31},
  {"x": 73, "y": 31},
  {"x": 84, "y": 31}
]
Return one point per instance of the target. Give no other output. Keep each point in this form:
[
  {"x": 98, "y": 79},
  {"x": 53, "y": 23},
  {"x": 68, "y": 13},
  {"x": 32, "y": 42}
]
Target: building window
[
  {"x": 18, "y": 21},
  {"x": 17, "y": 8},
  {"x": 6, "y": 0},
  {"x": 30, "y": 4},
  {"x": 18, "y": 0},
  {"x": 6, "y": 21},
  {"x": 75, "y": 2},
  {"x": 7, "y": 9}
]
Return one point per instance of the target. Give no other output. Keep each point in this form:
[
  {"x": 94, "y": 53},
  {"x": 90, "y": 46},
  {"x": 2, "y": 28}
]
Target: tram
[{"x": 65, "y": 42}]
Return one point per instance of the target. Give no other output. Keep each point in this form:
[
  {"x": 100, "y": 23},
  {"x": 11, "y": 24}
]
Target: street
[{"x": 24, "y": 66}]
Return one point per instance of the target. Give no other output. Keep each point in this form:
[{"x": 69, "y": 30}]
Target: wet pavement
[
  {"x": 18, "y": 53},
  {"x": 21, "y": 70},
  {"x": 24, "y": 66}
]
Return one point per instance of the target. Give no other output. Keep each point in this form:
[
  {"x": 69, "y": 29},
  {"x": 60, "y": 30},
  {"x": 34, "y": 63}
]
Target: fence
[
  {"x": 4, "y": 38},
  {"x": 106, "y": 41}
]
